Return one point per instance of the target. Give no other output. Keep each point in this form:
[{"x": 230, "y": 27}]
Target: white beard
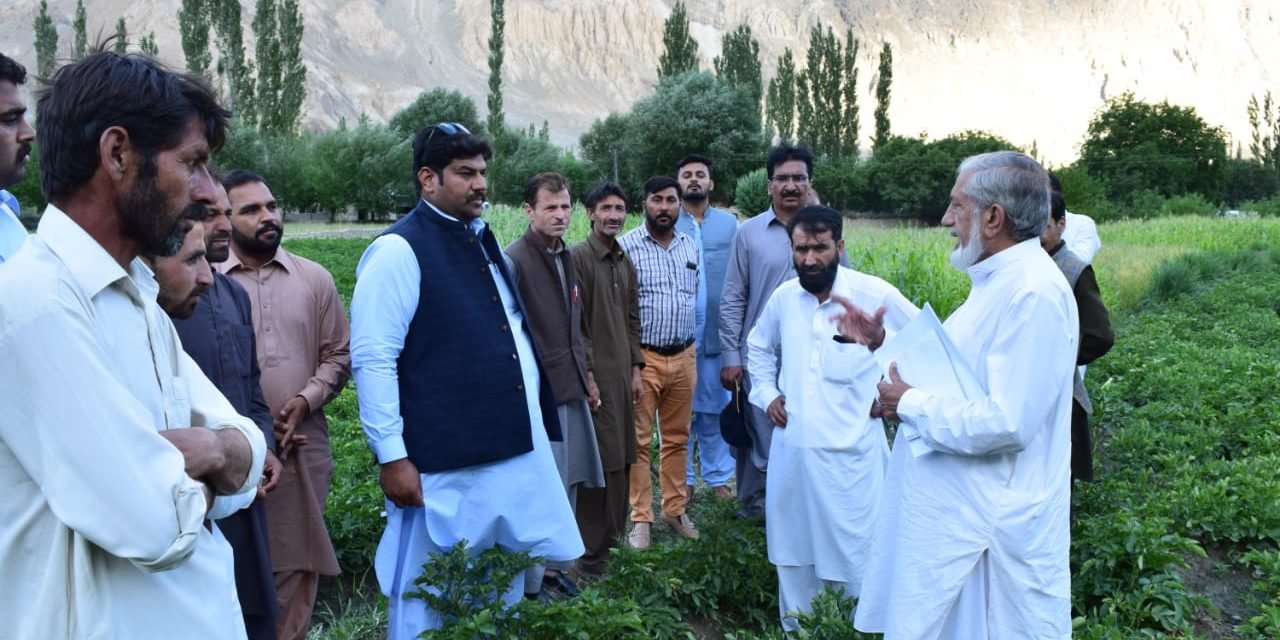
[{"x": 968, "y": 255}]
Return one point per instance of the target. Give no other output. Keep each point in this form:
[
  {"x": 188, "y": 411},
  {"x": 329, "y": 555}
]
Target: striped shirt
[{"x": 668, "y": 278}]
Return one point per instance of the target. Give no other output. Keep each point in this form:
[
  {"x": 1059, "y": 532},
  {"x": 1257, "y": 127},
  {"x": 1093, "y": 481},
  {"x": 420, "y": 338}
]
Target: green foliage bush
[
  {"x": 752, "y": 194},
  {"x": 1249, "y": 180},
  {"x": 1133, "y": 146},
  {"x": 1085, "y": 194},
  {"x": 436, "y": 105},
  {"x": 1269, "y": 207},
  {"x": 687, "y": 113}
]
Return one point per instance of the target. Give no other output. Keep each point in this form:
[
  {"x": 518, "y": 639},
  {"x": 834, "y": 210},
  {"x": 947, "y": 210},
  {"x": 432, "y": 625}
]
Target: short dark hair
[
  {"x": 662, "y": 183},
  {"x": 602, "y": 191},
  {"x": 1057, "y": 206},
  {"x": 785, "y": 152},
  {"x": 105, "y": 89},
  {"x": 11, "y": 71},
  {"x": 1055, "y": 185},
  {"x": 241, "y": 177},
  {"x": 692, "y": 158},
  {"x": 549, "y": 180},
  {"x": 434, "y": 148},
  {"x": 816, "y": 219}
]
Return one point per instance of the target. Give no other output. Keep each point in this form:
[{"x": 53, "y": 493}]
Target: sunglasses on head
[{"x": 447, "y": 129}]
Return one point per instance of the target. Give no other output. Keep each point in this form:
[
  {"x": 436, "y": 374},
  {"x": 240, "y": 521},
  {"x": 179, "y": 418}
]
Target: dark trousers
[
  {"x": 1081, "y": 444},
  {"x": 602, "y": 519},
  {"x": 753, "y": 462}
]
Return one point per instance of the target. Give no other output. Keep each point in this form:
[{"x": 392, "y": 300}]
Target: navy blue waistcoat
[{"x": 461, "y": 389}]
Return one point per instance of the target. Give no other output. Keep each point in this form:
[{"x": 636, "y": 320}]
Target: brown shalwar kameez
[{"x": 611, "y": 329}]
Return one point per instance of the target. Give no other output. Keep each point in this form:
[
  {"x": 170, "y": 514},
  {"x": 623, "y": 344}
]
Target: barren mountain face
[{"x": 1032, "y": 71}]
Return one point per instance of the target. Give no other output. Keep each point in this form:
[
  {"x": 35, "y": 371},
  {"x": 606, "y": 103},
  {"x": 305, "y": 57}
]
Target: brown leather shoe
[
  {"x": 639, "y": 537},
  {"x": 682, "y": 525},
  {"x": 724, "y": 492}
]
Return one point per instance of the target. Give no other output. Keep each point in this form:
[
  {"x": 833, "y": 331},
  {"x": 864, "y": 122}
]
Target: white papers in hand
[{"x": 928, "y": 360}]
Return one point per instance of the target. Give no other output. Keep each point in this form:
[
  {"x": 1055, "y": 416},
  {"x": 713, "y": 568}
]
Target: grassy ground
[{"x": 1176, "y": 515}]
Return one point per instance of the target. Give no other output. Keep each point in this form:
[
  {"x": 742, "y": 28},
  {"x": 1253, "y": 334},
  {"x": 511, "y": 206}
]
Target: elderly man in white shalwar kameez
[
  {"x": 828, "y": 454},
  {"x": 973, "y": 537}
]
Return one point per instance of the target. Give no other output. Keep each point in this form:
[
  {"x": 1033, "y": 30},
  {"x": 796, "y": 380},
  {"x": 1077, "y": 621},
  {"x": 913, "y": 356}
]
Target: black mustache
[{"x": 270, "y": 226}]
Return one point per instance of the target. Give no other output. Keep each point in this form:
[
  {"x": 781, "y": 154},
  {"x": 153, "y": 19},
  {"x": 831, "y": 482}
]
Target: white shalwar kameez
[
  {"x": 973, "y": 536},
  {"x": 826, "y": 467}
]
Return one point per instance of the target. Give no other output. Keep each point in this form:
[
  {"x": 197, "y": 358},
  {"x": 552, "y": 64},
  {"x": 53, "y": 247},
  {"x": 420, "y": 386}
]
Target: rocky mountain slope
[{"x": 1033, "y": 71}]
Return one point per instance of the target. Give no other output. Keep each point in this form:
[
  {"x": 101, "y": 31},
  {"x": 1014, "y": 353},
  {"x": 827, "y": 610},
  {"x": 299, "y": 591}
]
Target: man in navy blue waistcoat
[{"x": 452, "y": 397}]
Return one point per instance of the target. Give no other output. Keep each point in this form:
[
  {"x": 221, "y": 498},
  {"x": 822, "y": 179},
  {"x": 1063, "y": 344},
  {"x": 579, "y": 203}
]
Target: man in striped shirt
[{"x": 667, "y": 265}]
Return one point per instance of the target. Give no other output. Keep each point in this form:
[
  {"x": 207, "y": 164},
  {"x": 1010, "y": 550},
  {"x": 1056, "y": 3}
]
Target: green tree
[
  {"x": 848, "y": 138},
  {"x": 781, "y": 102},
  {"x": 46, "y": 42},
  {"x": 1169, "y": 150},
  {"x": 827, "y": 95},
  {"x": 233, "y": 66},
  {"x": 436, "y": 105},
  {"x": 680, "y": 50},
  {"x": 121, "y": 42},
  {"x": 602, "y": 149},
  {"x": 80, "y": 46},
  {"x": 516, "y": 156},
  {"x": 265, "y": 26},
  {"x": 687, "y": 113},
  {"x": 909, "y": 177},
  {"x": 740, "y": 64},
  {"x": 148, "y": 44},
  {"x": 883, "y": 81},
  {"x": 1248, "y": 180},
  {"x": 293, "y": 73},
  {"x": 1264, "y": 123},
  {"x": 498, "y": 23},
  {"x": 193, "y": 27}
]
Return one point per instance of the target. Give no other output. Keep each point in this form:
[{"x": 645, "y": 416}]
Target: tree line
[{"x": 1138, "y": 159}]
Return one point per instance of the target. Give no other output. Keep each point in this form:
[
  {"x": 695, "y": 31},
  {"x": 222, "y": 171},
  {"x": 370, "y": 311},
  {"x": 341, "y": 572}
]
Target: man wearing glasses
[
  {"x": 454, "y": 402},
  {"x": 759, "y": 261}
]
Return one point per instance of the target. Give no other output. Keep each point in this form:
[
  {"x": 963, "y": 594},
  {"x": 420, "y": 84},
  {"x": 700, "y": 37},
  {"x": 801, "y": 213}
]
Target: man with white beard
[{"x": 972, "y": 541}]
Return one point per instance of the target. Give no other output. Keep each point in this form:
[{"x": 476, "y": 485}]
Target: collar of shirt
[
  {"x": 9, "y": 200},
  {"x": 536, "y": 240},
  {"x": 1017, "y": 253},
  {"x": 282, "y": 258},
  {"x": 602, "y": 251},
  {"x": 677, "y": 237},
  {"x": 770, "y": 217},
  {"x": 476, "y": 225},
  {"x": 87, "y": 261}
]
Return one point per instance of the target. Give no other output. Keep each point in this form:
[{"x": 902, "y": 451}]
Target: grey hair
[{"x": 1014, "y": 181}]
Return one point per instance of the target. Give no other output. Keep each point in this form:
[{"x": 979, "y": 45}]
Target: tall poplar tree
[
  {"x": 293, "y": 73},
  {"x": 883, "y": 81},
  {"x": 268, "y": 58},
  {"x": 680, "y": 50},
  {"x": 739, "y": 65},
  {"x": 781, "y": 103},
  {"x": 233, "y": 65},
  {"x": 148, "y": 44},
  {"x": 46, "y": 42},
  {"x": 121, "y": 43},
  {"x": 193, "y": 27},
  {"x": 496, "y": 120},
  {"x": 80, "y": 46},
  {"x": 847, "y": 138}
]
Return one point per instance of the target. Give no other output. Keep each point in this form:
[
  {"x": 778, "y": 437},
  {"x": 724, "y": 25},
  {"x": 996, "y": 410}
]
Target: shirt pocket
[
  {"x": 240, "y": 340},
  {"x": 844, "y": 363},
  {"x": 177, "y": 404}
]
